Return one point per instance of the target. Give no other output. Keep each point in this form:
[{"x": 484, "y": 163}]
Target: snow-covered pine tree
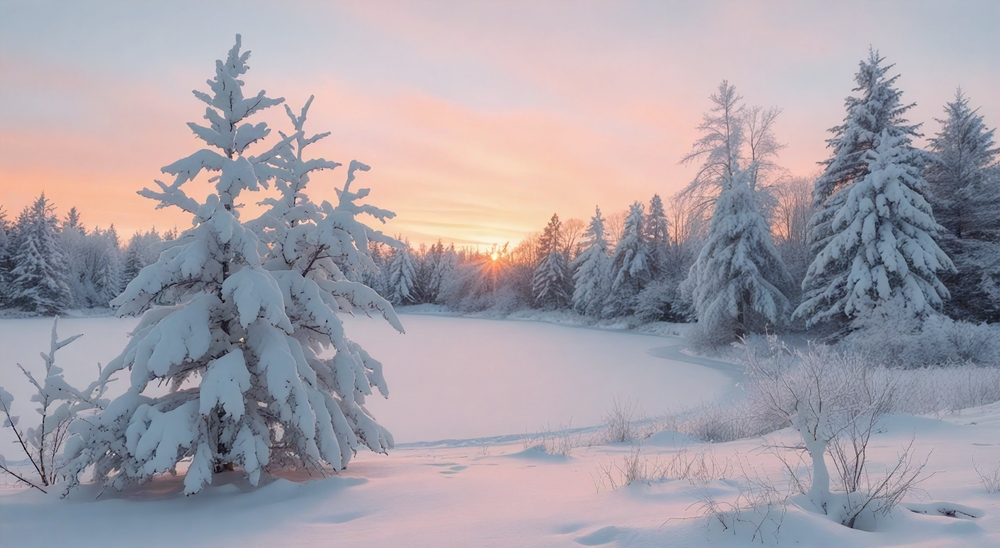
[
  {"x": 377, "y": 278},
  {"x": 630, "y": 265},
  {"x": 141, "y": 250},
  {"x": 305, "y": 238},
  {"x": 658, "y": 237},
  {"x": 738, "y": 282},
  {"x": 429, "y": 275},
  {"x": 964, "y": 179},
  {"x": 878, "y": 108},
  {"x": 402, "y": 276},
  {"x": 884, "y": 251},
  {"x": 5, "y": 259},
  {"x": 214, "y": 328},
  {"x": 107, "y": 274},
  {"x": 966, "y": 201},
  {"x": 445, "y": 272},
  {"x": 591, "y": 269},
  {"x": 73, "y": 243},
  {"x": 550, "y": 283},
  {"x": 38, "y": 279}
]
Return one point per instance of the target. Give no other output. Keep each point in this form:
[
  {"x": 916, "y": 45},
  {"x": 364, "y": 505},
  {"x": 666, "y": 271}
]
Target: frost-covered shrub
[
  {"x": 898, "y": 339},
  {"x": 941, "y": 389},
  {"x": 722, "y": 422},
  {"x": 59, "y": 406},
  {"x": 660, "y": 301},
  {"x": 829, "y": 396},
  {"x": 944, "y": 340}
]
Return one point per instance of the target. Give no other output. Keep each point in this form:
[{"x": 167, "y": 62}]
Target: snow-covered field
[{"x": 492, "y": 389}]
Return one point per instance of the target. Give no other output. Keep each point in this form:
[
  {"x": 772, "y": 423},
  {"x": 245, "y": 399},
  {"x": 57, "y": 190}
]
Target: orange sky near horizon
[{"x": 479, "y": 119}]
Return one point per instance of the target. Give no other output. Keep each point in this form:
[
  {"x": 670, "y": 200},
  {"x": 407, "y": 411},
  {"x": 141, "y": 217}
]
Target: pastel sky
[{"x": 479, "y": 119}]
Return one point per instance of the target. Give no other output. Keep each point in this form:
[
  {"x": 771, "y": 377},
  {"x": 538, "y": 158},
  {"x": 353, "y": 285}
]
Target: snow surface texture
[{"x": 504, "y": 490}]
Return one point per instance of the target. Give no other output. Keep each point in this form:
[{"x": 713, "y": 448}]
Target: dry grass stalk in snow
[
  {"x": 758, "y": 510},
  {"x": 697, "y": 468},
  {"x": 990, "y": 477}
]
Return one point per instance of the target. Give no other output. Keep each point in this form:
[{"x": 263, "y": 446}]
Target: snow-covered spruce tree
[
  {"x": 73, "y": 242},
  {"x": 551, "y": 282},
  {"x": 214, "y": 328},
  {"x": 38, "y": 279},
  {"x": 878, "y": 108},
  {"x": 738, "y": 282},
  {"x": 305, "y": 239},
  {"x": 108, "y": 266},
  {"x": 377, "y": 277},
  {"x": 445, "y": 272},
  {"x": 964, "y": 179},
  {"x": 966, "y": 201},
  {"x": 141, "y": 250},
  {"x": 884, "y": 245},
  {"x": 591, "y": 269},
  {"x": 658, "y": 236},
  {"x": 5, "y": 259},
  {"x": 431, "y": 273},
  {"x": 630, "y": 265},
  {"x": 659, "y": 300},
  {"x": 401, "y": 277}
]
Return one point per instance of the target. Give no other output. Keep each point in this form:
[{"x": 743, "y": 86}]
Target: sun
[{"x": 494, "y": 256}]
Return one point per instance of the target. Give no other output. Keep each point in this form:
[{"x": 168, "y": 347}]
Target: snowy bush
[
  {"x": 660, "y": 301},
  {"x": 722, "y": 422},
  {"x": 899, "y": 339},
  {"x": 942, "y": 389},
  {"x": 834, "y": 401},
  {"x": 59, "y": 405}
]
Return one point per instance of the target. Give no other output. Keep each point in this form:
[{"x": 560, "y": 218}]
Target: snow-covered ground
[{"x": 492, "y": 388}]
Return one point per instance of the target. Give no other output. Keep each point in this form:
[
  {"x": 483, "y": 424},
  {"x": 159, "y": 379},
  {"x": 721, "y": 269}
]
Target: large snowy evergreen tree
[
  {"x": 877, "y": 108},
  {"x": 630, "y": 265},
  {"x": 242, "y": 389},
  {"x": 38, "y": 277},
  {"x": 551, "y": 283},
  {"x": 965, "y": 197},
  {"x": 738, "y": 282},
  {"x": 884, "y": 251},
  {"x": 591, "y": 269},
  {"x": 964, "y": 179}
]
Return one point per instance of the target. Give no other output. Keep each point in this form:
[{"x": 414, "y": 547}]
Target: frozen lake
[{"x": 449, "y": 378}]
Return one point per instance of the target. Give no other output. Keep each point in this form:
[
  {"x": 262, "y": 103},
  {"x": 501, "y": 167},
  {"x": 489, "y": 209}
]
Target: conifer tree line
[
  {"x": 886, "y": 228},
  {"x": 49, "y": 265}
]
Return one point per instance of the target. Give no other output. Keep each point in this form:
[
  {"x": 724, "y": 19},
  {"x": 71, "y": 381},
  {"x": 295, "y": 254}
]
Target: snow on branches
[
  {"x": 235, "y": 317},
  {"x": 884, "y": 244}
]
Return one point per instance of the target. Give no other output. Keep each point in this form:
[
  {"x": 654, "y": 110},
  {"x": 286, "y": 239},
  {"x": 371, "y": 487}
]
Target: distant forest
[{"x": 885, "y": 229}]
